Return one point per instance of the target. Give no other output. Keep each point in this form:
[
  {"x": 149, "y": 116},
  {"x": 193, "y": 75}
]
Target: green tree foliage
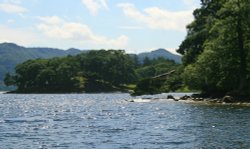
[
  {"x": 155, "y": 67},
  {"x": 91, "y": 71},
  {"x": 9, "y": 80},
  {"x": 149, "y": 85},
  {"x": 174, "y": 82},
  {"x": 113, "y": 66},
  {"x": 198, "y": 30},
  {"x": 146, "y": 61},
  {"x": 224, "y": 65}
]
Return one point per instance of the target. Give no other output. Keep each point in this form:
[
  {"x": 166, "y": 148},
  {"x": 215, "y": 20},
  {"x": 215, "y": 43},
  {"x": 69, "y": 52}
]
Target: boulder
[
  {"x": 228, "y": 99},
  {"x": 170, "y": 97},
  {"x": 185, "y": 97}
]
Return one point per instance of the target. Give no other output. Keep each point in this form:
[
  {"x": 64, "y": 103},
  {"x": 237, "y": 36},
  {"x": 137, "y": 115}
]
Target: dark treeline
[
  {"x": 148, "y": 84},
  {"x": 95, "y": 71},
  {"x": 216, "y": 49}
]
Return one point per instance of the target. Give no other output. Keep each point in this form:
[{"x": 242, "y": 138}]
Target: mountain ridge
[
  {"x": 12, "y": 54},
  {"x": 159, "y": 53}
]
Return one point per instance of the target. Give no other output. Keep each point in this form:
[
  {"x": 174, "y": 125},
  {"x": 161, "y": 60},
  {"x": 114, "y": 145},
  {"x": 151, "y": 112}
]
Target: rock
[
  {"x": 196, "y": 95},
  {"x": 198, "y": 99},
  {"x": 185, "y": 97},
  {"x": 202, "y": 99},
  {"x": 130, "y": 100},
  {"x": 170, "y": 97},
  {"x": 228, "y": 99},
  {"x": 213, "y": 101}
]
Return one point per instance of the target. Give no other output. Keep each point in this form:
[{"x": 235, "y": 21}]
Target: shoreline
[
  {"x": 3, "y": 92},
  {"x": 195, "y": 99},
  {"x": 207, "y": 102},
  {"x": 189, "y": 101}
]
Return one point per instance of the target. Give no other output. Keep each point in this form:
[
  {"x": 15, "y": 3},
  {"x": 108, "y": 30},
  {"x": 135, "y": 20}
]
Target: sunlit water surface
[{"x": 109, "y": 121}]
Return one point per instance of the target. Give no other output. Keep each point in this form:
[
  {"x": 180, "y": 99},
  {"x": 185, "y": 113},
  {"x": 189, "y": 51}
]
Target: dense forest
[
  {"x": 95, "y": 71},
  {"x": 216, "y": 49}
]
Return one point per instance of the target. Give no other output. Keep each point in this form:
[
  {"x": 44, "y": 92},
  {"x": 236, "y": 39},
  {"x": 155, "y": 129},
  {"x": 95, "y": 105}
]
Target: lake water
[{"x": 108, "y": 121}]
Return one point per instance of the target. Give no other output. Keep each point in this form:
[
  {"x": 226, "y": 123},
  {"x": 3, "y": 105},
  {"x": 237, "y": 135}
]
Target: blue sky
[{"x": 133, "y": 25}]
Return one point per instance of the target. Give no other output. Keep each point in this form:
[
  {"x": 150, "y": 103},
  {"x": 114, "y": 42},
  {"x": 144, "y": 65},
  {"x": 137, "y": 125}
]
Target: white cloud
[
  {"x": 57, "y": 28},
  {"x": 13, "y": 1},
  {"x": 156, "y": 18},
  {"x": 95, "y": 5},
  {"x": 12, "y": 8},
  {"x": 53, "y": 20},
  {"x": 18, "y": 36}
]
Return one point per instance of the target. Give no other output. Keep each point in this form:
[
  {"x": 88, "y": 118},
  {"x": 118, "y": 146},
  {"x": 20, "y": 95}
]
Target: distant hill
[
  {"x": 159, "y": 53},
  {"x": 12, "y": 54}
]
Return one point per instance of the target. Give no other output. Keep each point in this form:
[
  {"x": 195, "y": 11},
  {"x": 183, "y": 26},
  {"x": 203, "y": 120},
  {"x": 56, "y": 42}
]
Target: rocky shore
[{"x": 197, "y": 98}]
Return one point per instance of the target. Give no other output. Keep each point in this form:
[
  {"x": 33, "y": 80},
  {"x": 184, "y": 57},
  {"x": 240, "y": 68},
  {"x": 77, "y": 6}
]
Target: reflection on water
[{"x": 109, "y": 121}]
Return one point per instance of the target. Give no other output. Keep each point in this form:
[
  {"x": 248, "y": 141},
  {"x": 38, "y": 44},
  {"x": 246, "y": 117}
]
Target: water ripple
[{"x": 109, "y": 121}]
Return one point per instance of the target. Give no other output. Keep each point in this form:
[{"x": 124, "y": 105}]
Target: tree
[
  {"x": 146, "y": 61},
  {"x": 198, "y": 30},
  {"x": 27, "y": 72},
  {"x": 9, "y": 80},
  {"x": 223, "y": 66},
  {"x": 113, "y": 66},
  {"x": 46, "y": 78}
]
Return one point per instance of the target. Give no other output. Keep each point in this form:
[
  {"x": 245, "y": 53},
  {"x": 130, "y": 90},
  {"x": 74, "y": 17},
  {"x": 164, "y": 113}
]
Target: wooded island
[{"x": 94, "y": 71}]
